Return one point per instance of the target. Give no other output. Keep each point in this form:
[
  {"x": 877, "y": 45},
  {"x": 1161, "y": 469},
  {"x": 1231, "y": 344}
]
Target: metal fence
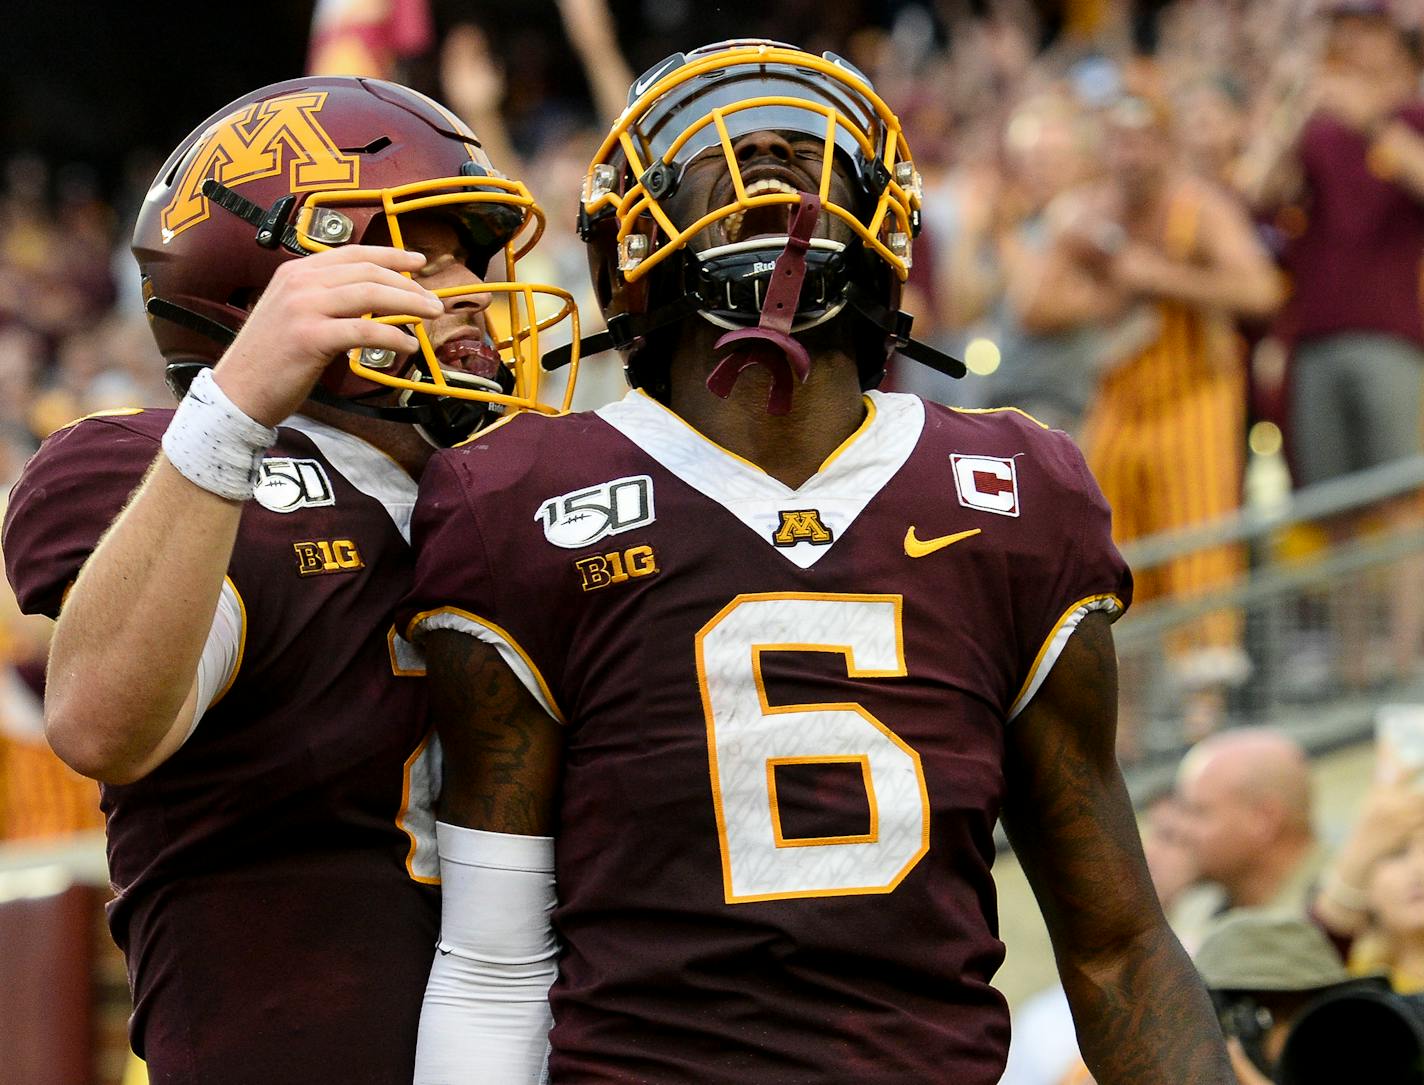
[{"x": 1331, "y": 583}]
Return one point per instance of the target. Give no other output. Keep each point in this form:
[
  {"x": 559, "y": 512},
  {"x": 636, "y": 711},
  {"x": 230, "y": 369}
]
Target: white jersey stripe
[{"x": 364, "y": 466}]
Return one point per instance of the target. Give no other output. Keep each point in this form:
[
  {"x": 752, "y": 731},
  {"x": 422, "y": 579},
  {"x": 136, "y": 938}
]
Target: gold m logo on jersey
[
  {"x": 802, "y": 525},
  {"x": 261, "y": 141}
]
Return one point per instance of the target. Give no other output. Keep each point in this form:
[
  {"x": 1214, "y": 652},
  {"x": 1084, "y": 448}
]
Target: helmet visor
[{"x": 755, "y": 98}]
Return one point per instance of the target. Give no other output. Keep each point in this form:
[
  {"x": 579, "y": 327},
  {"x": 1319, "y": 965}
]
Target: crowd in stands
[
  {"x": 1159, "y": 227},
  {"x": 1154, "y": 226}
]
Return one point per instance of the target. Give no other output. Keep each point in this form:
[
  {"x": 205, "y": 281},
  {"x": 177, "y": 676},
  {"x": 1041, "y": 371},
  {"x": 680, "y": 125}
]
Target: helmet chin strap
[{"x": 770, "y": 343}]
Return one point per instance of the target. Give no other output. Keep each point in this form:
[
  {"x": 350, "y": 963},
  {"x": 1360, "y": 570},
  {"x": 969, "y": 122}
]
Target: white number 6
[{"x": 747, "y": 738}]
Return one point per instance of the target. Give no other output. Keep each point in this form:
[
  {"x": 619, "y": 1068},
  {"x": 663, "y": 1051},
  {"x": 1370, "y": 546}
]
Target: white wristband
[{"x": 213, "y": 444}]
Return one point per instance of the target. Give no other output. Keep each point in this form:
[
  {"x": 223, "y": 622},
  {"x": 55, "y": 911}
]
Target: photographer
[{"x": 1293, "y": 1015}]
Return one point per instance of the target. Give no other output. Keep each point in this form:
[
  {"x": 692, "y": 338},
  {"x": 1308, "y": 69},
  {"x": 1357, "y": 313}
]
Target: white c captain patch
[
  {"x": 990, "y": 483},
  {"x": 286, "y": 485},
  {"x": 585, "y": 516}
]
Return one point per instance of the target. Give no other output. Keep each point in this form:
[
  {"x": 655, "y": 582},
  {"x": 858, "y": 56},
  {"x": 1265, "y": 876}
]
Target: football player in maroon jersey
[
  {"x": 784, "y": 650},
  {"x": 225, "y": 661}
]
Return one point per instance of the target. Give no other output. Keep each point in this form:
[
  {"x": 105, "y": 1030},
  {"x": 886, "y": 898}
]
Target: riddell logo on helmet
[{"x": 260, "y": 141}]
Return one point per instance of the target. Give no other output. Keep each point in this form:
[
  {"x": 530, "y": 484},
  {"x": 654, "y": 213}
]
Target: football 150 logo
[
  {"x": 286, "y": 485},
  {"x": 584, "y": 516}
]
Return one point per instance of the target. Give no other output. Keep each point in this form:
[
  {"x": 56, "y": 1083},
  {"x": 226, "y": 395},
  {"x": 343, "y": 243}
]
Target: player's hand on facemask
[{"x": 310, "y": 314}]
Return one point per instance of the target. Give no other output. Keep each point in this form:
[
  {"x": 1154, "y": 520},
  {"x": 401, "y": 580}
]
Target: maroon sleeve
[
  {"x": 67, "y": 496},
  {"x": 1077, "y": 568},
  {"x": 452, "y": 568}
]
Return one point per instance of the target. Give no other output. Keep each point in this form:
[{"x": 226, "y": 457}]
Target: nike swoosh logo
[{"x": 918, "y": 549}]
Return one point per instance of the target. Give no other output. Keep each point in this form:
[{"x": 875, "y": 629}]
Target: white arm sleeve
[
  {"x": 486, "y": 1012},
  {"x": 221, "y": 653}
]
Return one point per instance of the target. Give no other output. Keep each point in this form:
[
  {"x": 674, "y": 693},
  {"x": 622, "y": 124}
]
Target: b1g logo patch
[
  {"x": 286, "y": 485},
  {"x": 616, "y": 567},
  {"x": 584, "y": 516},
  {"x": 802, "y": 525},
  {"x": 988, "y": 483},
  {"x": 319, "y": 556}
]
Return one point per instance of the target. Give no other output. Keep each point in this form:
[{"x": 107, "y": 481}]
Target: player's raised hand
[{"x": 310, "y": 313}]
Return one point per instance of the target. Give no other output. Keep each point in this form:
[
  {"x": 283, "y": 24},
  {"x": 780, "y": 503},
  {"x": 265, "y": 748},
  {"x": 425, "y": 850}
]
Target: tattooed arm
[
  {"x": 486, "y": 1009},
  {"x": 1142, "y": 1014},
  {"x": 501, "y": 748}
]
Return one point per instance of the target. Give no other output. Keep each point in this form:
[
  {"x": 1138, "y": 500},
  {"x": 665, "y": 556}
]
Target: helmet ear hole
[{"x": 244, "y": 298}]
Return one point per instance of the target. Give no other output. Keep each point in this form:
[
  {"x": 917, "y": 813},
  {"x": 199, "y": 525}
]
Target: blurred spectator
[
  {"x": 1247, "y": 818},
  {"x": 22, "y": 358},
  {"x": 473, "y": 82},
  {"x": 367, "y": 37},
  {"x": 1048, "y": 148},
  {"x": 1210, "y": 116},
  {"x": 1342, "y": 161},
  {"x": 40, "y": 796},
  {"x": 1372, "y": 895},
  {"x": 1165, "y": 259},
  {"x": 1293, "y": 1014}
]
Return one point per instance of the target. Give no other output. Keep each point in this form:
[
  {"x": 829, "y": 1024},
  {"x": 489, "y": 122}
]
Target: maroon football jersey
[
  {"x": 275, "y": 878},
  {"x": 785, "y": 716}
]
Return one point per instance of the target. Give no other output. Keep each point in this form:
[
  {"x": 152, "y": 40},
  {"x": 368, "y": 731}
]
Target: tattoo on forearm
[{"x": 1143, "y": 1016}]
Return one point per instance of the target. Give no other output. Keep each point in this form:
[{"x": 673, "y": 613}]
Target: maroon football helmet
[{"x": 313, "y": 163}]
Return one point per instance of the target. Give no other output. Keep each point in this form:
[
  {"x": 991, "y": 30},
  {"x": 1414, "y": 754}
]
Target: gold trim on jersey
[
  {"x": 241, "y": 644},
  {"x": 860, "y": 430},
  {"x": 783, "y": 841},
  {"x": 112, "y": 412},
  {"x": 845, "y": 445},
  {"x": 1000, "y": 410},
  {"x": 495, "y": 425},
  {"x": 504, "y": 635},
  {"x": 406, "y": 772},
  {"x": 1087, "y": 604},
  {"x": 396, "y": 668}
]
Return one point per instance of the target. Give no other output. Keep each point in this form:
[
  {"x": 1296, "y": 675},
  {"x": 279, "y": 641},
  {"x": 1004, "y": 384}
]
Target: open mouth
[
  {"x": 470, "y": 361},
  {"x": 771, "y": 220}
]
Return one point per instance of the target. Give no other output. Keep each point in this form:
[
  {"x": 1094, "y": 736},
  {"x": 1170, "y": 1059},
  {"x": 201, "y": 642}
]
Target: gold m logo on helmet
[
  {"x": 802, "y": 525},
  {"x": 260, "y": 141}
]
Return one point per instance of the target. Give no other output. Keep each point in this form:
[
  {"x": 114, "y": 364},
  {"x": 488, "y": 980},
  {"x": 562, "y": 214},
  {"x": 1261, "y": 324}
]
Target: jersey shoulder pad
[{"x": 68, "y": 494}]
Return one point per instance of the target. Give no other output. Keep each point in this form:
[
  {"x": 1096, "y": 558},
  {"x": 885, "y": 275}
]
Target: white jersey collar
[
  {"x": 848, "y": 480},
  {"x": 365, "y": 466}
]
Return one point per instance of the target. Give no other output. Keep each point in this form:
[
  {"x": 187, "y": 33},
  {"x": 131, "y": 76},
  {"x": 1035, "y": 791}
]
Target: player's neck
[
  {"x": 790, "y": 448},
  {"x": 397, "y": 440}
]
